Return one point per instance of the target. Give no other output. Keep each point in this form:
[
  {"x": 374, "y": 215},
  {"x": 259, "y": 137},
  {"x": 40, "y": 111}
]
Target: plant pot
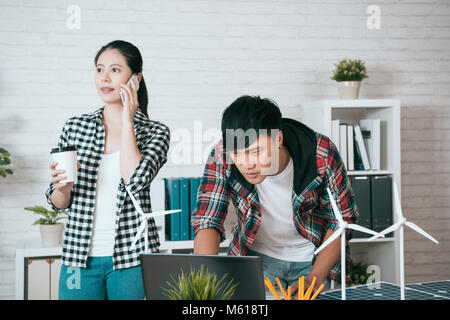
[
  {"x": 51, "y": 234},
  {"x": 349, "y": 89}
]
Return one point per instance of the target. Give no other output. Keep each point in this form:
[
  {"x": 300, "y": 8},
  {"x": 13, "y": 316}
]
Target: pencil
[
  {"x": 302, "y": 288},
  {"x": 272, "y": 289},
  {"x": 313, "y": 282},
  {"x": 310, "y": 289},
  {"x": 299, "y": 293},
  {"x": 307, "y": 294},
  {"x": 317, "y": 292},
  {"x": 281, "y": 288},
  {"x": 289, "y": 293}
]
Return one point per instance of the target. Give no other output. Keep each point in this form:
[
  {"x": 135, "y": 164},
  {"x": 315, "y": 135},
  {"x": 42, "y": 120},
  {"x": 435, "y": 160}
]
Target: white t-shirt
[
  {"x": 108, "y": 179},
  {"x": 277, "y": 236}
]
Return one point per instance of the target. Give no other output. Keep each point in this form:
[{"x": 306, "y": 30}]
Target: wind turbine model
[
  {"x": 399, "y": 224},
  {"x": 340, "y": 232},
  {"x": 144, "y": 224}
]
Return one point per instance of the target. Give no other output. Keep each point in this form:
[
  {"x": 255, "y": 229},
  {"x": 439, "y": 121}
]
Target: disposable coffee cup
[{"x": 66, "y": 157}]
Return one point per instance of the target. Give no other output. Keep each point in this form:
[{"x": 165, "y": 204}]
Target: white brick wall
[{"x": 198, "y": 57}]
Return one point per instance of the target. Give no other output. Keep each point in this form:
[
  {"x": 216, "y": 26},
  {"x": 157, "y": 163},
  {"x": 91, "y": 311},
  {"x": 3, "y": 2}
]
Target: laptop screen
[{"x": 158, "y": 270}]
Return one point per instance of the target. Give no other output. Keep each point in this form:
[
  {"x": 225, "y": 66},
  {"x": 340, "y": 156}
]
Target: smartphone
[{"x": 133, "y": 78}]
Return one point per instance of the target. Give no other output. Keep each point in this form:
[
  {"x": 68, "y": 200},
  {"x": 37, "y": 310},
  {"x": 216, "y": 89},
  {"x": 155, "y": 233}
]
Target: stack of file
[{"x": 180, "y": 193}]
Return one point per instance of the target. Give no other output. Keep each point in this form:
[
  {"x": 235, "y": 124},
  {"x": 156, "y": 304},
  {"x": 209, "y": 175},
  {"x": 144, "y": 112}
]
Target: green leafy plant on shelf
[
  {"x": 199, "y": 285},
  {"x": 5, "y": 162},
  {"x": 349, "y": 70},
  {"x": 49, "y": 217},
  {"x": 358, "y": 272}
]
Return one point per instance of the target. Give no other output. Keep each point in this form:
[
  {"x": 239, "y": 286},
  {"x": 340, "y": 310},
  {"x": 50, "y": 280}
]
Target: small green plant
[
  {"x": 199, "y": 285},
  {"x": 349, "y": 70},
  {"x": 358, "y": 272},
  {"x": 5, "y": 161},
  {"x": 49, "y": 217}
]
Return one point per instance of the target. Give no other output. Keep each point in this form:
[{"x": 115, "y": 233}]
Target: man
[{"x": 276, "y": 171}]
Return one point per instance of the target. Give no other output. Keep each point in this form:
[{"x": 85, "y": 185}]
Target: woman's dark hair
[
  {"x": 134, "y": 61},
  {"x": 249, "y": 112}
]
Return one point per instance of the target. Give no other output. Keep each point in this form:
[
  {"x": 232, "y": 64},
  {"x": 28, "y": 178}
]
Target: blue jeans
[
  {"x": 98, "y": 281},
  {"x": 287, "y": 272}
]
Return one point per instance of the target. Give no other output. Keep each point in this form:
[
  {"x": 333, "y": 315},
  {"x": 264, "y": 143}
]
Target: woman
[{"x": 117, "y": 146}]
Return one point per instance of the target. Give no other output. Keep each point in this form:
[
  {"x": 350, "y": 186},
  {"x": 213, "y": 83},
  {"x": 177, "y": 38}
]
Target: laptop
[{"x": 157, "y": 269}]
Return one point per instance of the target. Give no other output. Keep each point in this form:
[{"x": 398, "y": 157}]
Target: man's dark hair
[{"x": 248, "y": 112}]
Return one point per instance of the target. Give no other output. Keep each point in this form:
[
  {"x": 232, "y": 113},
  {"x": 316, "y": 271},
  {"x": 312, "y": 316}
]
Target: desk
[{"x": 37, "y": 270}]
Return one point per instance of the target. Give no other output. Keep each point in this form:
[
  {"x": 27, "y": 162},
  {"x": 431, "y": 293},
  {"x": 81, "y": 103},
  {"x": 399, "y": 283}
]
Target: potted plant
[
  {"x": 349, "y": 74},
  {"x": 50, "y": 227},
  {"x": 5, "y": 162},
  {"x": 358, "y": 273},
  {"x": 199, "y": 285}
]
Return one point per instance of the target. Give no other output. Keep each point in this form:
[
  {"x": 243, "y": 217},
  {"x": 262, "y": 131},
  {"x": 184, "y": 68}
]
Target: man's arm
[
  {"x": 207, "y": 241},
  {"x": 325, "y": 260},
  {"x": 211, "y": 209}
]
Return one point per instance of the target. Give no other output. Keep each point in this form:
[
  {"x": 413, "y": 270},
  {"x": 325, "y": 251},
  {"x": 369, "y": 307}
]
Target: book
[
  {"x": 358, "y": 160},
  {"x": 335, "y": 133},
  {"x": 376, "y": 165},
  {"x": 361, "y": 189},
  {"x": 371, "y": 135},
  {"x": 343, "y": 143},
  {"x": 184, "y": 206},
  {"x": 194, "y": 185},
  {"x": 350, "y": 150},
  {"x": 381, "y": 191},
  {"x": 361, "y": 147},
  {"x": 172, "y": 221}
]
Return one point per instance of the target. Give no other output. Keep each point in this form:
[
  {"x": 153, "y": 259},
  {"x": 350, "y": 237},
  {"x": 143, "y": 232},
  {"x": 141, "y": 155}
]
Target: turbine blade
[
  {"x": 333, "y": 237},
  {"x": 336, "y": 211},
  {"x": 138, "y": 233},
  {"x": 394, "y": 227},
  {"x": 161, "y": 213},
  {"x": 421, "y": 231},
  {"x": 363, "y": 229},
  {"x": 135, "y": 203}
]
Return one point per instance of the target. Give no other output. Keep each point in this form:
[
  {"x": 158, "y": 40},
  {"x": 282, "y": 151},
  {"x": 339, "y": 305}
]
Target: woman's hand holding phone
[{"x": 129, "y": 100}]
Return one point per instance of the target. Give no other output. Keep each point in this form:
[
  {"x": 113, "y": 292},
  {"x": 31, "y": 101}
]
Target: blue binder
[
  {"x": 184, "y": 203},
  {"x": 194, "y": 185},
  {"x": 172, "y": 225}
]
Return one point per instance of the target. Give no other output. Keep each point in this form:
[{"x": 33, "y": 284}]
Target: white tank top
[
  {"x": 277, "y": 236},
  {"x": 108, "y": 179}
]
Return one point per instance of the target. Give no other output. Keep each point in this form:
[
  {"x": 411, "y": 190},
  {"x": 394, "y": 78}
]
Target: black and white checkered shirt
[{"x": 87, "y": 134}]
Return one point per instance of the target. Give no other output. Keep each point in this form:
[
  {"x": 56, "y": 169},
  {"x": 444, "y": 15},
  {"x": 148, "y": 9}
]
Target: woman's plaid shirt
[
  {"x": 312, "y": 211},
  {"x": 87, "y": 134}
]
